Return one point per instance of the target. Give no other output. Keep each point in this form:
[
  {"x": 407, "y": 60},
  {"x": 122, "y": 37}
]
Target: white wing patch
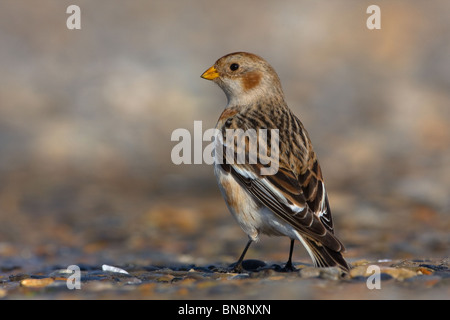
[
  {"x": 245, "y": 173},
  {"x": 295, "y": 208},
  {"x": 323, "y": 214},
  {"x": 323, "y": 209},
  {"x": 267, "y": 185}
]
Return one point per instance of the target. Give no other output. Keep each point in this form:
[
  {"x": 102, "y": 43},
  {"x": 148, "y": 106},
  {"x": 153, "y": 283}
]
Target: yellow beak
[{"x": 210, "y": 74}]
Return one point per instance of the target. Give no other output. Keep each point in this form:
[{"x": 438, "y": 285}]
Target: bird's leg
[
  {"x": 289, "y": 266},
  {"x": 238, "y": 265}
]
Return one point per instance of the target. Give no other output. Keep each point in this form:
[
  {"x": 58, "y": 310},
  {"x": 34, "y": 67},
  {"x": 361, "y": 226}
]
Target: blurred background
[{"x": 86, "y": 118}]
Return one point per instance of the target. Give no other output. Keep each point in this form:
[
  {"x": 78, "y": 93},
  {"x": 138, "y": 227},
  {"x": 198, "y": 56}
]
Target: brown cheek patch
[{"x": 251, "y": 80}]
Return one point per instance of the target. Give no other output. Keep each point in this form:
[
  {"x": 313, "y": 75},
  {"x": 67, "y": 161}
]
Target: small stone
[
  {"x": 264, "y": 273},
  {"x": 330, "y": 273},
  {"x": 164, "y": 278},
  {"x": 239, "y": 276},
  {"x": 399, "y": 273},
  {"x": 309, "y": 272},
  {"x": 359, "y": 271},
  {"x": 195, "y": 275},
  {"x": 36, "y": 283},
  {"x": 425, "y": 271}
]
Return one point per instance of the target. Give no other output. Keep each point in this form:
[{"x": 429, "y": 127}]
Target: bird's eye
[{"x": 234, "y": 66}]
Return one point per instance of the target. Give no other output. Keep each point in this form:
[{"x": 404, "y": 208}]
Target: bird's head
[{"x": 245, "y": 78}]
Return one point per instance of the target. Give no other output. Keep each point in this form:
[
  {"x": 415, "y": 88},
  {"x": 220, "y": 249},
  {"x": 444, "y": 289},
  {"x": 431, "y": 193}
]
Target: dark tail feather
[{"x": 325, "y": 257}]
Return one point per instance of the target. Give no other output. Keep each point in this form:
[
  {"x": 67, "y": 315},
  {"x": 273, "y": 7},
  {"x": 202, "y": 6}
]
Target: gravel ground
[
  {"x": 405, "y": 279},
  {"x": 182, "y": 251}
]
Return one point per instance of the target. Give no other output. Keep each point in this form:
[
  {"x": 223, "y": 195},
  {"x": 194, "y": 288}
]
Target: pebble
[
  {"x": 386, "y": 272},
  {"x": 331, "y": 273},
  {"x": 358, "y": 271},
  {"x": 263, "y": 273},
  {"x": 36, "y": 283},
  {"x": 162, "y": 277},
  {"x": 309, "y": 272},
  {"x": 399, "y": 273},
  {"x": 239, "y": 276}
]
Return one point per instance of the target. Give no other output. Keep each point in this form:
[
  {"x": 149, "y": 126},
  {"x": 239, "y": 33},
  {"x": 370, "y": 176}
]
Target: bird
[{"x": 290, "y": 202}]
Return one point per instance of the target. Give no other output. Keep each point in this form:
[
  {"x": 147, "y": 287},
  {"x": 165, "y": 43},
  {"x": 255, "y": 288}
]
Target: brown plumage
[{"x": 292, "y": 201}]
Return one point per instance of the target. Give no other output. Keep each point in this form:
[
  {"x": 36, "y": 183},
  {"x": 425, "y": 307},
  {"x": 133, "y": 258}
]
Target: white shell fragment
[{"x": 106, "y": 267}]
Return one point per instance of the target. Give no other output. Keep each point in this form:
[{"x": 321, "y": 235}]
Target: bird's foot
[{"x": 289, "y": 267}]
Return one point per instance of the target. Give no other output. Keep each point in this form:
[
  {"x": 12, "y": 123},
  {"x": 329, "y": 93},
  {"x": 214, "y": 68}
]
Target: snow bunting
[{"x": 291, "y": 202}]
